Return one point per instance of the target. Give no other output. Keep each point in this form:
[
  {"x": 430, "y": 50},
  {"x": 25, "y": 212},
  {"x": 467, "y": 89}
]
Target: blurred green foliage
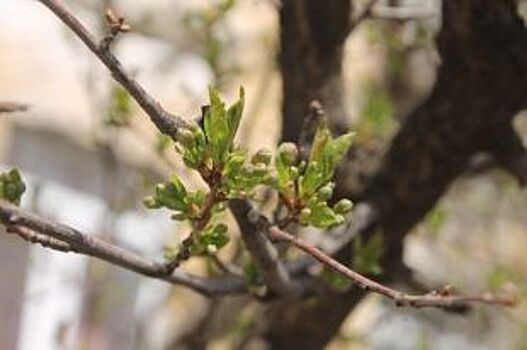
[
  {"x": 367, "y": 255},
  {"x": 12, "y": 187}
]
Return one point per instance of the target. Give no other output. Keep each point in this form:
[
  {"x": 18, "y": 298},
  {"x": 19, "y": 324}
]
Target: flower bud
[
  {"x": 326, "y": 191},
  {"x": 289, "y": 152},
  {"x": 343, "y": 206}
]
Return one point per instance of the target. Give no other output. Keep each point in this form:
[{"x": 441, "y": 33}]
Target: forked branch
[{"x": 35, "y": 229}]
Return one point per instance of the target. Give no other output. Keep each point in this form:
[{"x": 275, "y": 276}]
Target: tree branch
[
  {"x": 35, "y": 229},
  {"x": 10, "y": 107},
  {"x": 166, "y": 122},
  {"x": 440, "y": 299},
  {"x": 252, "y": 228}
]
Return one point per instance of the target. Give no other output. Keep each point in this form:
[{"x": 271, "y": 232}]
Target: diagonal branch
[
  {"x": 35, "y": 229},
  {"x": 166, "y": 122},
  {"x": 10, "y": 107},
  {"x": 252, "y": 228},
  {"x": 440, "y": 299}
]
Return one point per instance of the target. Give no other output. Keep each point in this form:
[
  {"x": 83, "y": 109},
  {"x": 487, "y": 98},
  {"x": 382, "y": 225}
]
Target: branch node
[{"x": 116, "y": 25}]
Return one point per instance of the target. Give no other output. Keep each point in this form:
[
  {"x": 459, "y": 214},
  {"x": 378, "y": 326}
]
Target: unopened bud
[
  {"x": 343, "y": 206},
  {"x": 326, "y": 192},
  {"x": 289, "y": 151}
]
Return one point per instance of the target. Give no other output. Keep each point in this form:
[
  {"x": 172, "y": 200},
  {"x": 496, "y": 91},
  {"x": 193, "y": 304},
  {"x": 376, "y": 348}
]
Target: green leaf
[
  {"x": 171, "y": 195},
  {"x": 367, "y": 256},
  {"x": 326, "y": 155},
  {"x": 216, "y": 127},
  {"x": 320, "y": 142},
  {"x": 213, "y": 238},
  {"x": 241, "y": 177},
  {"x": 221, "y": 125},
  {"x": 339, "y": 147},
  {"x": 194, "y": 146},
  {"x": 321, "y": 216},
  {"x": 12, "y": 186},
  {"x": 234, "y": 115}
]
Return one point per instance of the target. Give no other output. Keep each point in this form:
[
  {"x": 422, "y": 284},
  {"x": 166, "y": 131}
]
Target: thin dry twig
[
  {"x": 440, "y": 299},
  {"x": 165, "y": 121}
]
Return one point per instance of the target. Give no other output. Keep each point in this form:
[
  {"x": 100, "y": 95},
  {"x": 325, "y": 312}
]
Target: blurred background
[{"x": 89, "y": 158}]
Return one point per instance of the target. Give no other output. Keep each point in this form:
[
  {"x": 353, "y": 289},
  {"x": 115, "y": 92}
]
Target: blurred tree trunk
[
  {"x": 312, "y": 36},
  {"x": 481, "y": 86}
]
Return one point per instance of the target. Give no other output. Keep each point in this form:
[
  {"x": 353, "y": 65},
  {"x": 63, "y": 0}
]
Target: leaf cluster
[
  {"x": 12, "y": 187},
  {"x": 306, "y": 187},
  {"x": 231, "y": 173}
]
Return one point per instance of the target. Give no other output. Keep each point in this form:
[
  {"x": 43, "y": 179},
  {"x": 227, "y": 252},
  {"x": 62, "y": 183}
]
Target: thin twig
[
  {"x": 10, "y": 107},
  {"x": 440, "y": 299},
  {"x": 64, "y": 238},
  {"x": 166, "y": 122}
]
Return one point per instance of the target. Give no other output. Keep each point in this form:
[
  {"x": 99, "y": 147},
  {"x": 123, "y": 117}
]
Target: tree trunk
[
  {"x": 312, "y": 35},
  {"x": 481, "y": 86}
]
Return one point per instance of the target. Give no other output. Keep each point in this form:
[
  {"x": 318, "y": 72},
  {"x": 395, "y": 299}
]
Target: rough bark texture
[
  {"x": 312, "y": 35},
  {"x": 481, "y": 86}
]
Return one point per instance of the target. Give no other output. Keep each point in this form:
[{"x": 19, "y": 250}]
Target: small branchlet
[
  {"x": 116, "y": 25},
  {"x": 11, "y": 107}
]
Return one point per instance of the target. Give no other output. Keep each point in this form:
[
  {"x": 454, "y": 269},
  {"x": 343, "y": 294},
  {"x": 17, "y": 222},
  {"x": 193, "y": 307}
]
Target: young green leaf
[
  {"x": 221, "y": 125},
  {"x": 326, "y": 154},
  {"x": 321, "y": 216},
  {"x": 12, "y": 187},
  {"x": 171, "y": 195},
  {"x": 194, "y": 146},
  {"x": 234, "y": 115}
]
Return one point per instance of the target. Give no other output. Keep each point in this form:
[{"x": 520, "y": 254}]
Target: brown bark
[
  {"x": 312, "y": 35},
  {"x": 481, "y": 86}
]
